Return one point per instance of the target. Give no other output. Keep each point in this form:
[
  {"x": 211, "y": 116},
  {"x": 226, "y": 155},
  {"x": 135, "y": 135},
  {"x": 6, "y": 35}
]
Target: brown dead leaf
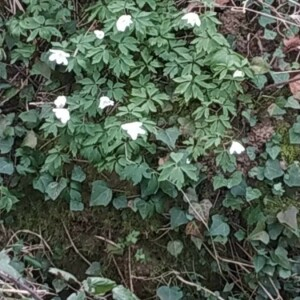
[
  {"x": 194, "y": 228},
  {"x": 163, "y": 160},
  {"x": 295, "y": 86},
  {"x": 292, "y": 44},
  {"x": 200, "y": 211}
]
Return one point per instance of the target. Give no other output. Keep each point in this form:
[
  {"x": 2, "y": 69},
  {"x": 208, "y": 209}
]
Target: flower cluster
[{"x": 60, "y": 112}]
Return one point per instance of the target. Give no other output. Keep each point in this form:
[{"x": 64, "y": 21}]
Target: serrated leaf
[{"x": 101, "y": 194}]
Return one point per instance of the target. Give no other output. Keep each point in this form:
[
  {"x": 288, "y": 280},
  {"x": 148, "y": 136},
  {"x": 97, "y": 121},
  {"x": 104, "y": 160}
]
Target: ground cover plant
[{"x": 149, "y": 149}]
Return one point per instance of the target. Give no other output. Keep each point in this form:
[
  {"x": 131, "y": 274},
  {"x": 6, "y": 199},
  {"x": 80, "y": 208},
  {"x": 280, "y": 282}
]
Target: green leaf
[
  {"x": 6, "y": 144},
  {"x": 94, "y": 269},
  {"x": 98, "y": 285},
  {"x": 289, "y": 217},
  {"x": 120, "y": 202},
  {"x": 259, "y": 66},
  {"x": 121, "y": 293},
  {"x": 78, "y": 174},
  {"x": 6, "y": 268},
  {"x": 260, "y": 236},
  {"x": 269, "y": 34},
  {"x": 273, "y": 151},
  {"x": 75, "y": 200},
  {"x": 219, "y": 227},
  {"x": 40, "y": 68},
  {"x": 54, "y": 188},
  {"x": 292, "y": 103},
  {"x": 273, "y": 169},
  {"x": 235, "y": 179},
  {"x": 168, "y": 188},
  {"x": 175, "y": 247},
  {"x": 168, "y": 136},
  {"x": 101, "y": 194},
  {"x": 42, "y": 182},
  {"x": 292, "y": 178},
  {"x": 6, "y": 166},
  {"x": 252, "y": 194},
  {"x": 219, "y": 181},
  {"x": 259, "y": 262},
  {"x": 63, "y": 275},
  {"x": 178, "y": 217},
  {"x": 30, "y": 140},
  {"x": 281, "y": 257},
  {"x": 169, "y": 293},
  {"x": 274, "y": 110}
]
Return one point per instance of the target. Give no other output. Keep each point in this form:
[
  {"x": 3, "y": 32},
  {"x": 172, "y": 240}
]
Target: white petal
[
  {"x": 133, "y": 129},
  {"x": 99, "y": 34},
  {"x": 105, "y": 101},
  {"x": 192, "y": 19},
  {"x": 62, "y": 114},
  {"x": 123, "y": 22},
  {"x": 60, "y": 101},
  {"x": 236, "y": 147},
  {"x": 52, "y": 57},
  {"x": 238, "y": 73}
]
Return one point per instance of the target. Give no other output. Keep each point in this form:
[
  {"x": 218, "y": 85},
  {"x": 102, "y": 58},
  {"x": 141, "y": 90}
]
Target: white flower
[
  {"x": 62, "y": 114},
  {"x": 133, "y": 129},
  {"x": 59, "y": 56},
  {"x": 105, "y": 101},
  {"x": 237, "y": 148},
  {"x": 123, "y": 22},
  {"x": 188, "y": 161},
  {"x": 99, "y": 34},
  {"x": 238, "y": 73},
  {"x": 60, "y": 101},
  {"x": 192, "y": 19}
]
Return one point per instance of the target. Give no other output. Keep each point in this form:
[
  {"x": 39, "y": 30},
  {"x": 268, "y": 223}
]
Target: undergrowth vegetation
[{"x": 148, "y": 107}]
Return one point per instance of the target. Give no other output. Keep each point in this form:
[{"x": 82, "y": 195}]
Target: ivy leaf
[
  {"x": 98, "y": 285},
  {"x": 273, "y": 151},
  {"x": 136, "y": 172},
  {"x": 175, "y": 247},
  {"x": 120, "y": 202},
  {"x": 54, "y": 188},
  {"x": 178, "y": 217},
  {"x": 292, "y": 178},
  {"x": 101, "y": 194},
  {"x": 259, "y": 262},
  {"x": 273, "y": 169},
  {"x": 168, "y": 136},
  {"x": 42, "y": 182},
  {"x": 252, "y": 194},
  {"x": 235, "y": 179},
  {"x": 6, "y": 166},
  {"x": 66, "y": 276},
  {"x": 260, "y": 236},
  {"x": 30, "y": 140},
  {"x": 219, "y": 227},
  {"x": 121, "y": 293},
  {"x": 169, "y": 293},
  {"x": 289, "y": 217},
  {"x": 219, "y": 181},
  {"x": 78, "y": 174}
]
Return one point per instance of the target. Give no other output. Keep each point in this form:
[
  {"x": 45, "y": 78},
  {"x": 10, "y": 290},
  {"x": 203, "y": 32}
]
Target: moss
[{"x": 289, "y": 152}]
